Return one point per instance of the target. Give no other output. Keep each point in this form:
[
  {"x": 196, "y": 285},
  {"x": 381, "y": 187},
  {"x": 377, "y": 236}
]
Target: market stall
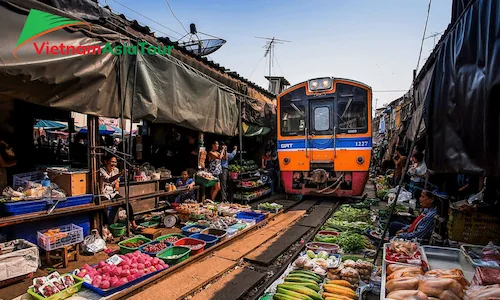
[{"x": 336, "y": 264}]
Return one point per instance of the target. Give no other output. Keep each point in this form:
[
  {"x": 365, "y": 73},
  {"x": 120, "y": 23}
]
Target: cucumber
[
  {"x": 301, "y": 289},
  {"x": 312, "y": 286},
  {"x": 305, "y": 276},
  {"x": 279, "y": 296},
  {"x": 300, "y": 279},
  {"x": 307, "y": 273},
  {"x": 293, "y": 294}
]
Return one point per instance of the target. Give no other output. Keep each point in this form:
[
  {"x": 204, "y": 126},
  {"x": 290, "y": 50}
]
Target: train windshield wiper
[
  {"x": 346, "y": 108},
  {"x": 297, "y": 109}
]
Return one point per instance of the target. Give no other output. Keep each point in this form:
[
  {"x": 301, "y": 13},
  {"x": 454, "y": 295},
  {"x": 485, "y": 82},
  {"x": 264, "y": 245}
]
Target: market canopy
[
  {"x": 103, "y": 130},
  {"x": 462, "y": 104},
  {"x": 166, "y": 89},
  {"x": 49, "y": 125},
  {"x": 250, "y": 130}
]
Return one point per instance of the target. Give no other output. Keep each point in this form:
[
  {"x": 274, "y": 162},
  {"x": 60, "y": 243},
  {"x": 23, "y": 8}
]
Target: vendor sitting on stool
[
  {"x": 183, "y": 182},
  {"x": 423, "y": 225},
  {"x": 109, "y": 179}
]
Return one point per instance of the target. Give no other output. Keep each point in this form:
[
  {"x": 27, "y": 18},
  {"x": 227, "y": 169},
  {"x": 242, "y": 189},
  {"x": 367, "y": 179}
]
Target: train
[{"x": 324, "y": 137}]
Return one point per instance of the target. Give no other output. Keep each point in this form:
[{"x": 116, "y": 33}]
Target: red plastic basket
[{"x": 189, "y": 242}]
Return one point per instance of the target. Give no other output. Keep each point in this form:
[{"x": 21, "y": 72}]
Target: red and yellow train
[{"x": 325, "y": 137}]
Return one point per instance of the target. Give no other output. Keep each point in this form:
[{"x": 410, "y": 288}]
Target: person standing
[
  {"x": 7, "y": 160},
  {"x": 417, "y": 171},
  {"x": 400, "y": 161},
  {"x": 268, "y": 164},
  {"x": 192, "y": 155},
  {"x": 225, "y": 171},
  {"x": 215, "y": 167}
]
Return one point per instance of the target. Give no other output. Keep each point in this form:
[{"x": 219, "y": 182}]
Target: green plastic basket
[
  {"x": 206, "y": 183},
  {"x": 183, "y": 253},
  {"x": 150, "y": 224},
  {"x": 62, "y": 294},
  {"x": 161, "y": 238},
  {"x": 117, "y": 229},
  {"x": 125, "y": 250}
]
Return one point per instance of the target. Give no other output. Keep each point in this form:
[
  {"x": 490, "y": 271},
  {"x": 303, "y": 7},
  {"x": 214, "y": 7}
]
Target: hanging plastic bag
[{"x": 93, "y": 243}]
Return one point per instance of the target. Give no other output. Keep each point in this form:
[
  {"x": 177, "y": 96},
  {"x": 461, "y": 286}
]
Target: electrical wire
[
  {"x": 278, "y": 63},
  {"x": 423, "y": 35},
  {"x": 250, "y": 77},
  {"x": 390, "y": 91},
  {"x": 144, "y": 16},
  {"x": 172, "y": 11}
]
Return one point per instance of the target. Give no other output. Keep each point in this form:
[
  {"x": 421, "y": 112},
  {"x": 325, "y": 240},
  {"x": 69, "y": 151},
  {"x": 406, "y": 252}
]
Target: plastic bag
[
  {"x": 106, "y": 234},
  {"x": 93, "y": 243}
]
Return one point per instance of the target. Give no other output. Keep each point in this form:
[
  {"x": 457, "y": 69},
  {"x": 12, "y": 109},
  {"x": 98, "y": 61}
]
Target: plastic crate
[
  {"x": 187, "y": 233},
  {"x": 66, "y": 293},
  {"x": 125, "y": 249},
  {"x": 182, "y": 252},
  {"x": 219, "y": 233},
  {"x": 191, "y": 241},
  {"x": 20, "y": 180},
  {"x": 209, "y": 239},
  {"x": 31, "y": 206},
  {"x": 68, "y": 235},
  {"x": 111, "y": 291},
  {"x": 141, "y": 248},
  {"x": 248, "y": 215},
  {"x": 178, "y": 235},
  {"x": 473, "y": 228}
]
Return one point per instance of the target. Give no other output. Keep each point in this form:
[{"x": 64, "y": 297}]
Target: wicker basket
[{"x": 473, "y": 228}]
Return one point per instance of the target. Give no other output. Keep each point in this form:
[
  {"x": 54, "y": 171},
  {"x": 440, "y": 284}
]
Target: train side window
[{"x": 321, "y": 118}]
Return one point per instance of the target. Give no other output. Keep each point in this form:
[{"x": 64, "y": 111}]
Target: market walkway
[{"x": 198, "y": 274}]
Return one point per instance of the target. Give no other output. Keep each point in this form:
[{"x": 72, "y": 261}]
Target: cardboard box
[{"x": 74, "y": 184}]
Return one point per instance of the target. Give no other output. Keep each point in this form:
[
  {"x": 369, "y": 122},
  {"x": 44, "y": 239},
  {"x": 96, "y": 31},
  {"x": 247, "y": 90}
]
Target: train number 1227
[{"x": 361, "y": 143}]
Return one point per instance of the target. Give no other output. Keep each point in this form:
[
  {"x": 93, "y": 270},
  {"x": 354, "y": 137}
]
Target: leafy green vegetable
[
  {"x": 336, "y": 225},
  {"x": 381, "y": 193},
  {"x": 349, "y": 242},
  {"x": 350, "y": 214}
]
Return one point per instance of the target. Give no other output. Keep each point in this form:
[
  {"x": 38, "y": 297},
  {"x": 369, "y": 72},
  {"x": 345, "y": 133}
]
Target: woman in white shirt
[{"x": 417, "y": 171}]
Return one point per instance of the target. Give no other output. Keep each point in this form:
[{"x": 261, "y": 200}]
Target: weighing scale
[{"x": 171, "y": 218}]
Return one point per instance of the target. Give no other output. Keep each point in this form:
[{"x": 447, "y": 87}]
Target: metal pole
[
  {"x": 127, "y": 187},
  {"x": 240, "y": 133},
  {"x": 393, "y": 206}
]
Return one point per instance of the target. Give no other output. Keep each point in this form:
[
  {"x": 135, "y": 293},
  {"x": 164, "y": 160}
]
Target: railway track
[{"x": 245, "y": 267}]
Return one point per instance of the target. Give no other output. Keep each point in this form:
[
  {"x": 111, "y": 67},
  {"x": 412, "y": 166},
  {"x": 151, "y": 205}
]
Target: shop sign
[{"x": 40, "y": 23}]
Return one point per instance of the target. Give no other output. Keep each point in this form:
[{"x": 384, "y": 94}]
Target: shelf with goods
[
  {"x": 251, "y": 185},
  {"x": 250, "y": 196}
]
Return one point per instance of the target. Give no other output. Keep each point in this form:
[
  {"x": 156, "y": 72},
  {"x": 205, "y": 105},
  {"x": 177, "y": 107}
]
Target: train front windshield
[{"x": 346, "y": 110}]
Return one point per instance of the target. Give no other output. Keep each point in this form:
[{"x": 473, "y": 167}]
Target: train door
[{"x": 321, "y": 126}]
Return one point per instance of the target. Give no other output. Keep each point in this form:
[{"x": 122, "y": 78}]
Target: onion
[{"x": 309, "y": 265}]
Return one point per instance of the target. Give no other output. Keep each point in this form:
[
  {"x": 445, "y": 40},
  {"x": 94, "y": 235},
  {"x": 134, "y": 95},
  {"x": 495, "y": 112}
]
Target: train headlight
[
  {"x": 286, "y": 161},
  {"x": 320, "y": 84},
  {"x": 360, "y": 160}
]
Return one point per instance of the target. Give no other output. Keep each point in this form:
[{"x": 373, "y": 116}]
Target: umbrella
[
  {"x": 103, "y": 130},
  {"x": 49, "y": 125}
]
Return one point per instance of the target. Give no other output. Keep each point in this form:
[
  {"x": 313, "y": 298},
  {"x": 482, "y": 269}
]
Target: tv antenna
[
  {"x": 201, "y": 47},
  {"x": 269, "y": 46}
]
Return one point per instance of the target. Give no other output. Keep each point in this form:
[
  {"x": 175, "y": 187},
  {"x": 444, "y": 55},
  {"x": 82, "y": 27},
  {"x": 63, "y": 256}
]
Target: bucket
[{"x": 117, "y": 229}]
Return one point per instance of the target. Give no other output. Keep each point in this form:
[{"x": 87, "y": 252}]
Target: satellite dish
[{"x": 201, "y": 47}]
